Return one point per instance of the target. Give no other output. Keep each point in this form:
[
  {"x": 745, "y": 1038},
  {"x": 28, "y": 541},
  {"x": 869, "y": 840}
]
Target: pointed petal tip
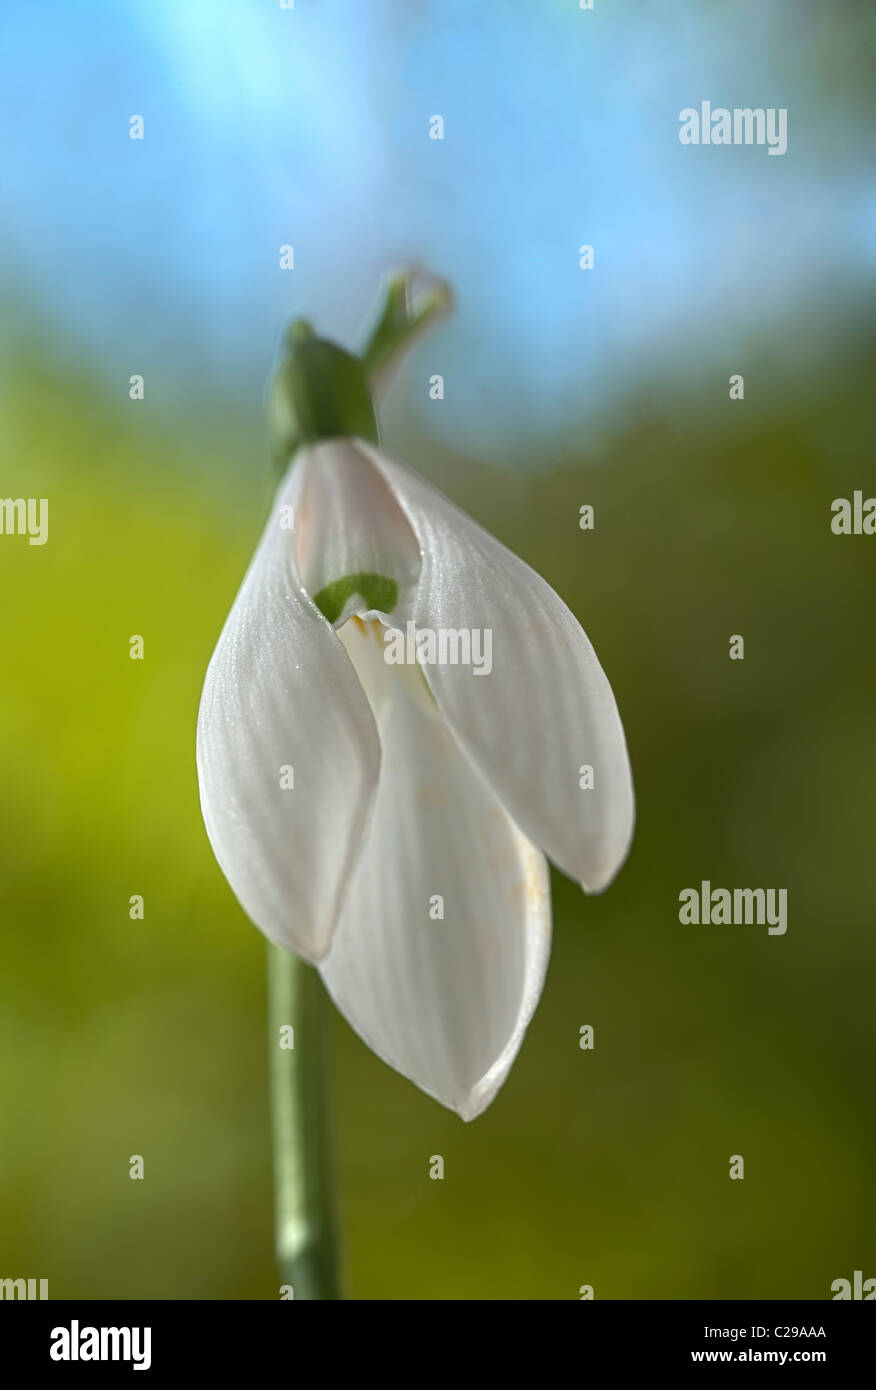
[
  {"x": 479, "y": 1099},
  {"x": 600, "y": 881},
  {"x": 474, "y": 1106},
  {"x": 482, "y": 1094},
  {"x": 604, "y": 867}
]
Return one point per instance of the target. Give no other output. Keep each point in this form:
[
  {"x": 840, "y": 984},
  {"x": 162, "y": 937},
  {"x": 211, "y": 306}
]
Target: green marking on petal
[{"x": 376, "y": 590}]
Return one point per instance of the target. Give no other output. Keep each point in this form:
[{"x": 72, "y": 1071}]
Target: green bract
[{"x": 319, "y": 391}]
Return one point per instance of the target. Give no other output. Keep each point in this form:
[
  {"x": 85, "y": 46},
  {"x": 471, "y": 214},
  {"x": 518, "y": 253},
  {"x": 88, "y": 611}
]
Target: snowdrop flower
[{"x": 390, "y": 821}]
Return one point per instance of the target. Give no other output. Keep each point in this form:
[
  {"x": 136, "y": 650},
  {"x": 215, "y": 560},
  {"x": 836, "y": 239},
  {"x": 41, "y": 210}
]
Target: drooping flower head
[{"x": 401, "y": 719}]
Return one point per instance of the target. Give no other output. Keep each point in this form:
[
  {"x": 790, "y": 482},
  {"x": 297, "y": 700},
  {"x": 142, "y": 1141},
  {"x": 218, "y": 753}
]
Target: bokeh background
[{"x": 265, "y": 126}]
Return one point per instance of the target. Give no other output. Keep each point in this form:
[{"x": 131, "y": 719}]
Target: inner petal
[{"x": 357, "y": 555}]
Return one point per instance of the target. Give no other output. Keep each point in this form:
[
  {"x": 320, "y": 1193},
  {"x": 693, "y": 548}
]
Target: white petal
[
  {"x": 280, "y": 692},
  {"x": 350, "y": 526},
  {"x": 445, "y": 1002},
  {"x": 545, "y": 710}
]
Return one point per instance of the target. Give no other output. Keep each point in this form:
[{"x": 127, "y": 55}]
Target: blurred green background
[{"x": 610, "y": 1167}]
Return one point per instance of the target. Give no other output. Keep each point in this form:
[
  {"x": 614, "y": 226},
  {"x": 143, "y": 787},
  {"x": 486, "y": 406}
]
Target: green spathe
[{"x": 320, "y": 391}]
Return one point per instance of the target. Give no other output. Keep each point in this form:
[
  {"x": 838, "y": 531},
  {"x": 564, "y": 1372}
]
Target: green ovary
[{"x": 376, "y": 591}]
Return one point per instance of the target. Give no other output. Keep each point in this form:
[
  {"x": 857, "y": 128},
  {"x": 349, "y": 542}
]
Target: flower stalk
[{"x": 305, "y": 1212}]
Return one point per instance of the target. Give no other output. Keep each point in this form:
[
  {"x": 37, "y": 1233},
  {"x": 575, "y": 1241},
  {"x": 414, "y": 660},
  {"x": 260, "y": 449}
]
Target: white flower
[{"x": 411, "y": 787}]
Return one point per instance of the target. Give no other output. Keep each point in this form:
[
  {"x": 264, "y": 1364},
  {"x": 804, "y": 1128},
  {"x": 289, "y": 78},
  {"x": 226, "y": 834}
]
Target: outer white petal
[
  {"x": 349, "y": 524},
  {"x": 280, "y": 692},
  {"x": 546, "y": 708},
  {"x": 445, "y": 1002}
]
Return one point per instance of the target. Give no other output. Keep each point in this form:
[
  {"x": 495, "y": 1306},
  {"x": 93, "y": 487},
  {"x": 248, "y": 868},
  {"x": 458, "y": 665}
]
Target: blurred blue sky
[{"x": 265, "y": 126}]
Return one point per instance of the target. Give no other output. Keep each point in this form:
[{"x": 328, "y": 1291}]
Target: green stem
[
  {"x": 304, "y": 1188},
  {"x": 402, "y": 319}
]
